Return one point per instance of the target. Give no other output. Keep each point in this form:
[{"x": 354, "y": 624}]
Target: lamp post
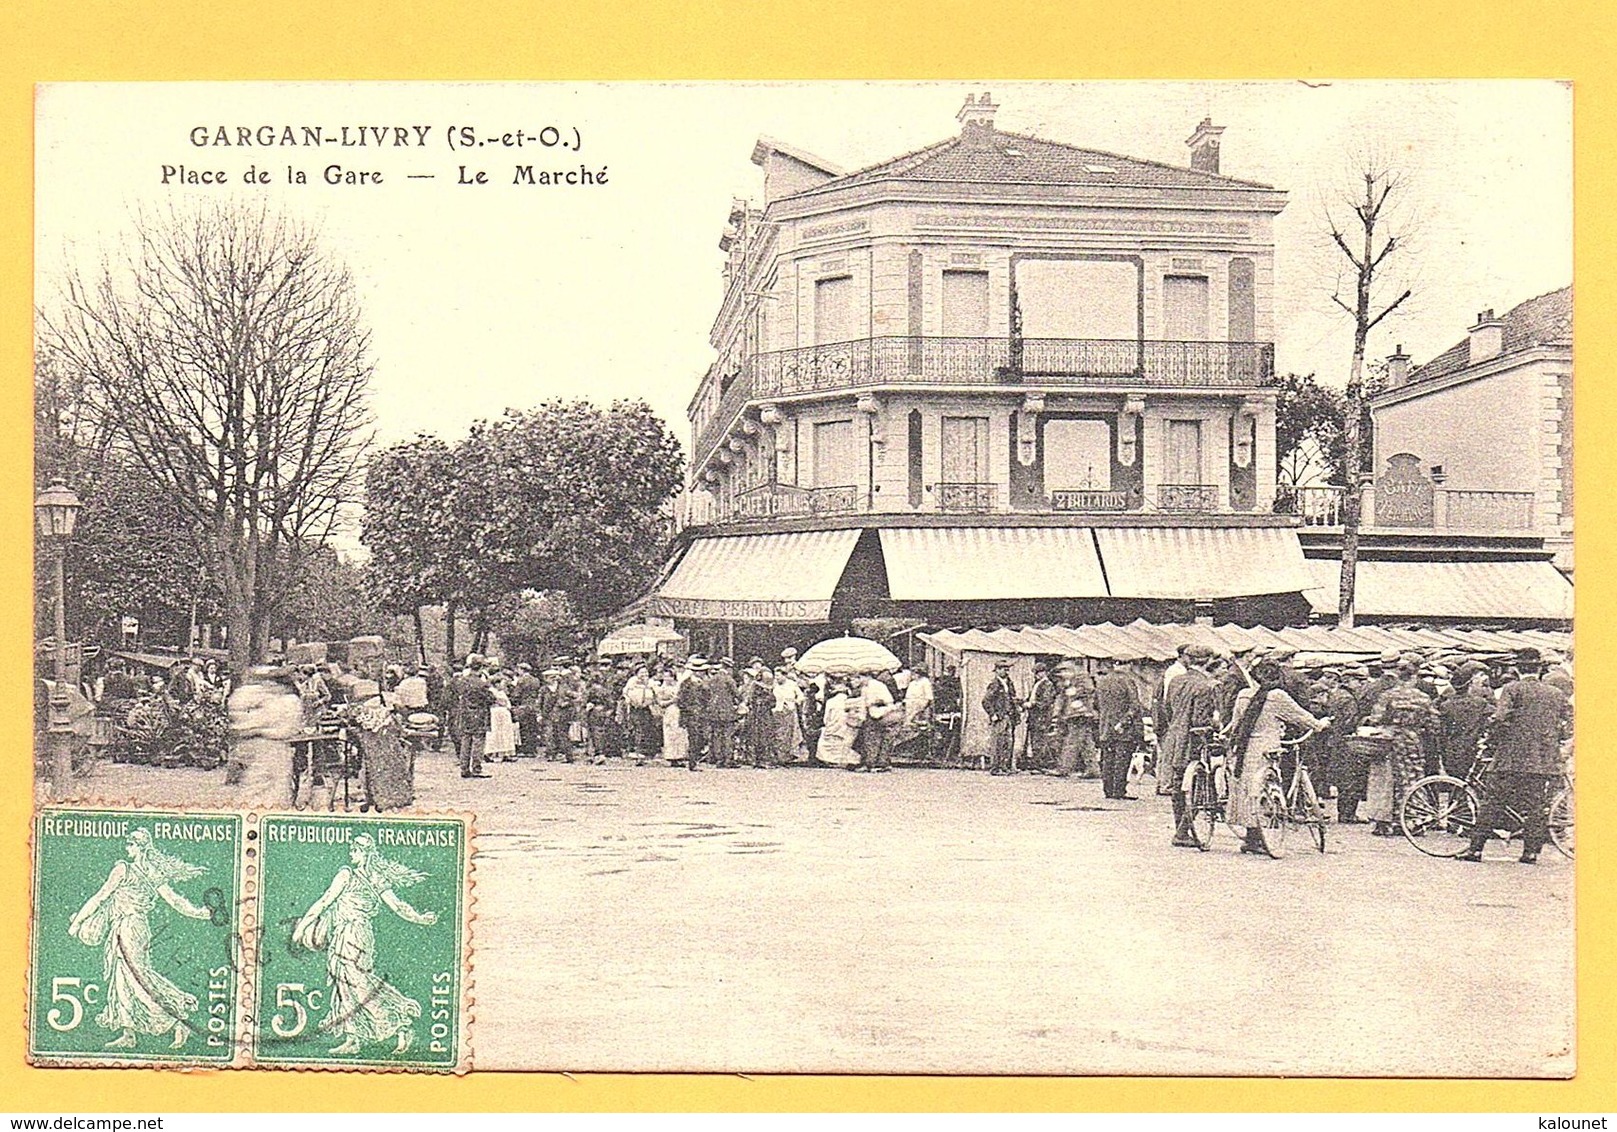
[{"x": 56, "y": 510}]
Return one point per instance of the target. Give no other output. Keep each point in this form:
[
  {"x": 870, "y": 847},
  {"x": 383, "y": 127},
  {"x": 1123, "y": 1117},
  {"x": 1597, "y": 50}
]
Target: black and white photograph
[{"x": 964, "y": 577}]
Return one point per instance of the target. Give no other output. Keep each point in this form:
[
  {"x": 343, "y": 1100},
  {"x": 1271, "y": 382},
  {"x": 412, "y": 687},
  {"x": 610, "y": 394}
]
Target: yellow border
[{"x": 716, "y": 39}]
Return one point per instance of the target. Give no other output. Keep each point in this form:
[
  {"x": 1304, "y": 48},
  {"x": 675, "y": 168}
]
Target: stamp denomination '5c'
[
  {"x": 137, "y": 938},
  {"x": 363, "y": 942}
]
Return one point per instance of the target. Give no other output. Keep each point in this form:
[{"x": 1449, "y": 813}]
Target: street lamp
[{"x": 56, "y": 510}]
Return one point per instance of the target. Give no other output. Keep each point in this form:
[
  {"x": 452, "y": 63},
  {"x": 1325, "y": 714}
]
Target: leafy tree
[
  {"x": 531, "y": 626},
  {"x": 332, "y": 600},
  {"x": 412, "y": 529},
  {"x": 135, "y": 551}
]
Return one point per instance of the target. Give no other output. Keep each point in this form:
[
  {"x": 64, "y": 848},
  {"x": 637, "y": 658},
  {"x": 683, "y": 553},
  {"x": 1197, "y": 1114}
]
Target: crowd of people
[
  {"x": 1376, "y": 727},
  {"x": 691, "y": 712}
]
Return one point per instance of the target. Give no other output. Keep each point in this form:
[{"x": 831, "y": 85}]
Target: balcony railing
[
  {"x": 1078, "y": 362},
  {"x": 968, "y": 498},
  {"x": 1465, "y": 510},
  {"x": 1318, "y": 505},
  {"x": 1187, "y": 497},
  {"x": 1089, "y": 500}
]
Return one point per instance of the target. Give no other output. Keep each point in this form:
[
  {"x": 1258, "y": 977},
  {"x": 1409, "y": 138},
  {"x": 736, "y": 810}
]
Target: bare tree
[
  {"x": 1367, "y": 227},
  {"x": 224, "y": 349}
]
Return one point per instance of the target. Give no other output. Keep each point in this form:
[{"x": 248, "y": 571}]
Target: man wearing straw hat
[{"x": 692, "y": 704}]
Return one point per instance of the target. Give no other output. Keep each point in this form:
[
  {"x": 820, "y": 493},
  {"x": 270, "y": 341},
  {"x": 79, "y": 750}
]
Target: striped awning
[
  {"x": 1495, "y": 591},
  {"x": 781, "y": 577},
  {"x": 1201, "y": 563},
  {"x": 987, "y": 563}
]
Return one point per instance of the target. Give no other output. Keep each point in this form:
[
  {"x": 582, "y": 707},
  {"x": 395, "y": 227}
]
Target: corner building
[{"x": 1000, "y": 379}]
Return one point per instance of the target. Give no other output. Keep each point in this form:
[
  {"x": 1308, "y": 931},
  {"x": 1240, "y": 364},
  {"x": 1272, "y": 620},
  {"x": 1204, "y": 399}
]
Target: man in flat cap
[
  {"x": 1532, "y": 720},
  {"x": 1004, "y": 709},
  {"x": 722, "y": 709},
  {"x": 1192, "y": 704},
  {"x": 1121, "y": 726}
]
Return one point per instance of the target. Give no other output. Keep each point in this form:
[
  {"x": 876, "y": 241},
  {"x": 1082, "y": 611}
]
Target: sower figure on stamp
[
  {"x": 118, "y": 919},
  {"x": 364, "y": 1006},
  {"x": 1529, "y": 725}
]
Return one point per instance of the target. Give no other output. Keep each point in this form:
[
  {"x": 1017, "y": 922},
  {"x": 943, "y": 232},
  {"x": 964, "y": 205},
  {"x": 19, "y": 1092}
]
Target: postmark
[
  {"x": 362, "y": 948},
  {"x": 138, "y": 923}
]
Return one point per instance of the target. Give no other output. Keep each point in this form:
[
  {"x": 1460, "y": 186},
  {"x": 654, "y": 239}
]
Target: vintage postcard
[{"x": 965, "y": 577}]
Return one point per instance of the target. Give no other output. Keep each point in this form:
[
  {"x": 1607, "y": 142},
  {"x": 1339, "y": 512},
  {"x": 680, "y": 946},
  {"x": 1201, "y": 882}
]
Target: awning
[
  {"x": 784, "y": 577},
  {"x": 985, "y": 563},
  {"x": 1495, "y": 591},
  {"x": 1201, "y": 563}
]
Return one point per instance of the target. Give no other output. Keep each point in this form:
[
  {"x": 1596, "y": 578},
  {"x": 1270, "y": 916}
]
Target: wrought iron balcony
[
  {"x": 987, "y": 362},
  {"x": 968, "y": 498},
  {"x": 1187, "y": 497}
]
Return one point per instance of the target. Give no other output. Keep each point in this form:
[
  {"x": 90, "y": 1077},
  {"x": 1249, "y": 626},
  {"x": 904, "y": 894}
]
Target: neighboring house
[
  {"x": 1000, "y": 376},
  {"x": 1488, "y": 425},
  {"x": 1468, "y": 519}
]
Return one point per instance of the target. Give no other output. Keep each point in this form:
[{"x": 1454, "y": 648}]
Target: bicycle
[
  {"x": 1302, "y": 801},
  {"x": 1438, "y": 813},
  {"x": 1206, "y": 787}
]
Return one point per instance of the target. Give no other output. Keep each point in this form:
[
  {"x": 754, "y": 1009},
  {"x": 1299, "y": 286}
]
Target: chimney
[
  {"x": 1397, "y": 369},
  {"x": 976, "y": 117},
  {"x": 1204, "y": 146},
  {"x": 1487, "y": 337}
]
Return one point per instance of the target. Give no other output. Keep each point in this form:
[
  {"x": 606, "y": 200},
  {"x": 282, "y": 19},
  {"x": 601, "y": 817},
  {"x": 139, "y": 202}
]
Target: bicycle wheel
[
  {"x": 1561, "y": 821},
  {"x": 1201, "y": 806},
  {"x": 1437, "y": 815},
  {"x": 1312, "y": 811},
  {"x": 1271, "y": 815}
]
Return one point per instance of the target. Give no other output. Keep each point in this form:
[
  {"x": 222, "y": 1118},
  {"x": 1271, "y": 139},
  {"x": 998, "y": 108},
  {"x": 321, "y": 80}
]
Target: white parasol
[{"x": 843, "y": 656}]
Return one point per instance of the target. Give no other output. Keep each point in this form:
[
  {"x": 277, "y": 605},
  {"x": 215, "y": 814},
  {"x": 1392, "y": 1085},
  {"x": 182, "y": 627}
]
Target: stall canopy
[
  {"x": 1140, "y": 640},
  {"x": 985, "y": 563},
  {"x": 1201, "y": 563},
  {"x": 1496, "y": 591},
  {"x": 645, "y": 638},
  {"x": 778, "y": 577}
]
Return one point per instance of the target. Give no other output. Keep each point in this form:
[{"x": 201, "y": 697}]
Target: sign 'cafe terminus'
[{"x": 1404, "y": 496}]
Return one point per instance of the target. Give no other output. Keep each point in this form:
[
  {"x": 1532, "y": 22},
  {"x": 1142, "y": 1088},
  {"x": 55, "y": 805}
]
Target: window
[
  {"x": 1182, "y": 459},
  {"x": 1063, "y": 298},
  {"x": 833, "y": 310},
  {"x": 1184, "y": 300},
  {"x": 835, "y": 458},
  {"x": 965, "y": 450},
  {"x": 1077, "y": 455},
  {"x": 965, "y": 304}
]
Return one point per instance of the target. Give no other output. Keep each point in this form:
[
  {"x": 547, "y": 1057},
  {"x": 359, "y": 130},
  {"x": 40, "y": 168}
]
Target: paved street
[{"x": 938, "y": 921}]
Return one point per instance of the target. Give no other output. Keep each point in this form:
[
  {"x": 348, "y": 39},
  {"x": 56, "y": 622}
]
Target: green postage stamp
[
  {"x": 195, "y": 939},
  {"x": 138, "y": 949},
  {"x": 362, "y": 960}
]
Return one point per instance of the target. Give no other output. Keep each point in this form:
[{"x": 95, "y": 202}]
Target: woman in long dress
[
  {"x": 835, "y": 746},
  {"x": 500, "y": 745},
  {"x": 676, "y": 746},
  {"x": 1261, "y": 716},
  {"x": 389, "y": 764},
  {"x": 363, "y": 1005},
  {"x": 118, "y": 919}
]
